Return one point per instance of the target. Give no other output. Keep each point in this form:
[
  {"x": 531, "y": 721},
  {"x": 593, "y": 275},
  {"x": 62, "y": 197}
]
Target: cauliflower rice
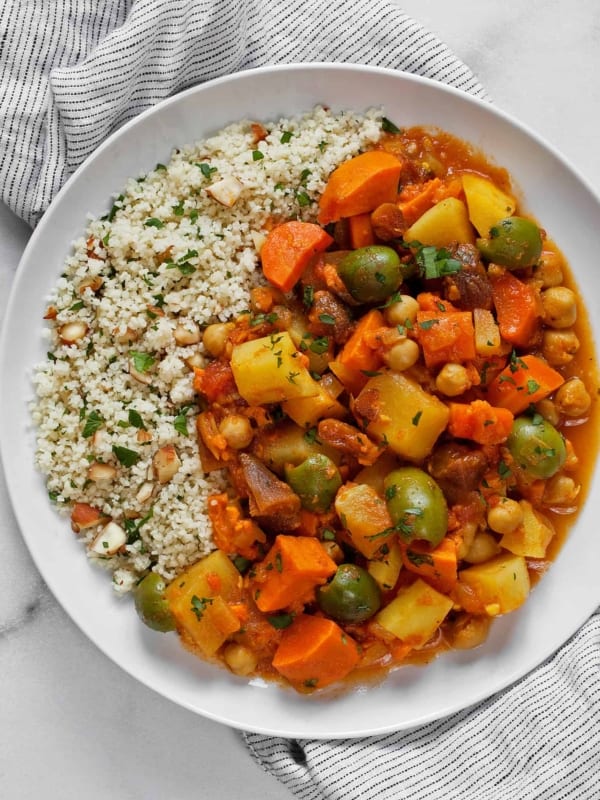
[{"x": 167, "y": 260}]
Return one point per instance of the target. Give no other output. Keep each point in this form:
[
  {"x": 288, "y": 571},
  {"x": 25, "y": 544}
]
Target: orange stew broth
[{"x": 425, "y": 154}]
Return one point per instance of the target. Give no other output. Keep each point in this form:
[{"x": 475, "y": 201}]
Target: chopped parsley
[
  {"x": 257, "y": 155},
  {"x": 200, "y": 604},
  {"x": 206, "y": 169},
  {"x": 281, "y": 621},
  {"x": 387, "y": 126},
  {"x": 285, "y": 137},
  {"x": 135, "y": 419},
  {"x": 153, "y": 222},
  {"x": 142, "y": 362},
  {"x": 93, "y": 422},
  {"x": 127, "y": 457},
  {"x": 326, "y": 319}
]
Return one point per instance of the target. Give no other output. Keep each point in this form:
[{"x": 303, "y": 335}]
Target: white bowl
[{"x": 563, "y": 600}]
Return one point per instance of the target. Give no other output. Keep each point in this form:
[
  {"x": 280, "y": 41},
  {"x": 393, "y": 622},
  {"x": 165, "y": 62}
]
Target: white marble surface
[{"x": 72, "y": 724}]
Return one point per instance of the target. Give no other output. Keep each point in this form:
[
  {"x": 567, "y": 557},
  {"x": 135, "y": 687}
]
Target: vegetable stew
[{"x": 401, "y": 415}]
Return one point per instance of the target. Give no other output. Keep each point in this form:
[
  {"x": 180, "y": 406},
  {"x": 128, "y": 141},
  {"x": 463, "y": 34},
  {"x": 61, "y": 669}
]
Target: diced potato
[
  {"x": 445, "y": 223},
  {"x": 375, "y": 474},
  {"x": 307, "y": 411},
  {"x": 488, "y": 341},
  {"x": 198, "y": 600},
  {"x": 409, "y": 419},
  {"x": 487, "y": 204},
  {"x": 270, "y": 369},
  {"x": 364, "y": 514},
  {"x": 495, "y": 587},
  {"x": 387, "y": 569},
  {"x": 287, "y": 443},
  {"x": 532, "y": 537},
  {"x": 415, "y": 613}
]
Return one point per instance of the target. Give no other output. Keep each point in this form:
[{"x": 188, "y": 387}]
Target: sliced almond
[
  {"x": 93, "y": 282},
  {"x": 166, "y": 462},
  {"x": 72, "y": 332},
  {"x": 185, "y": 335},
  {"x": 143, "y": 436},
  {"x": 51, "y": 312},
  {"x": 145, "y": 491},
  {"x": 141, "y": 377},
  {"x": 258, "y": 239},
  {"x": 111, "y": 538},
  {"x": 195, "y": 361},
  {"x": 126, "y": 336},
  {"x": 226, "y": 191},
  {"x": 84, "y": 516},
  {"x": 101, "y": 472}
]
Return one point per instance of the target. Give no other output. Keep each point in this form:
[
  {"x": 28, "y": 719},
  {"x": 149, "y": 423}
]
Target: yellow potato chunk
[
  {"x": 487, "y": 333},
  {"x": 415, "y": 613},
  {"x": 198, "y": 599},
  {"x": 386, "y": 570},
  {"x": 402, "y": 415},
  {"x": 445, "y": 223},
  {"x": 496, "y": 586},
  {"x": 532, "y": 537},
  {"x": 486, "y": 203},
  {"x": 270, "y": 369},
  {"x": 364, "y": 514},
  {"x": 307, "y": 411}
]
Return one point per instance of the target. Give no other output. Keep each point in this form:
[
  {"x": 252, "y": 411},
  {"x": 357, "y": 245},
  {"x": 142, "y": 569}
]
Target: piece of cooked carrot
[
  {"x": 480, "y": 421},
  {"x": 446, "y": 336},
  {"x": 438, "y": 567},
  {"x": 290, "y": 572},
  {"x": 417, "y": 198},
  {"x": 315, "y": 652},
  {"x": 356, "y": 353},
  {"x": 524, "y": 381},
  {"x": 360, "y": 185},
  {"x": 288, "y": 249},
  {"x": 518, "y": 309},
  {"x": 361, "y": 230}
]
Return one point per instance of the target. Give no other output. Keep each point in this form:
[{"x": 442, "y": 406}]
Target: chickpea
[
  {"x": 240, "y": 659},
  {"x": 237, "y": 431},
  {"x": 483, "y": 547},
  {"x": 572, "y": 399},
  {"x": 402, "y": 355},
  {"x": 469, "y": 631},
  {"x": 559, "y": 347},
  {"x": 548, "y": 411},
  {"x": 403, "y": 310},
  {"x": 215, "y": 336},
  {"x": 452, "y": 380},
  {"x": 506, "y": 516},
  {"x": 561, "y": 490},
  {"x": 334, "y": 551},
  {"x": 549, "y": 271},
  {"x": 560, "y": 307}
]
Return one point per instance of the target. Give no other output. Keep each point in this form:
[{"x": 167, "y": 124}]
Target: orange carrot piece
[
  {"x": 518, "y": 309},
  {"x": 438, "y": 566},
  {"x": 480, "y": 421},
  {"x": 315, "y": 652},
  {"x": 432, "y": 302},
  {"x": 356, "y": 353},
  {"x": 360, "y": 185},
  {"x": 416, "y": 199},
  {"x": 290, "y": 572},
  {"x": 526, "y": 380},
  {"x": 309, "y": 523},
  {"x": 361, "y": 231},
  {"x": 288, "y": 249},
  {"x": 446, "y": 336}
]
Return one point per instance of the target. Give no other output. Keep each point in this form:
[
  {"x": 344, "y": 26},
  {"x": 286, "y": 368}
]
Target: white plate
[{"x": 566, "y": 596}]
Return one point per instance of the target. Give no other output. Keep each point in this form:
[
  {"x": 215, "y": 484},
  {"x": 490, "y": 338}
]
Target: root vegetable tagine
[{"x": 388, "y": 429}]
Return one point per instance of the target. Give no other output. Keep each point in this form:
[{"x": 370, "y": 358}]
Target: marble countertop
[{"x": 72, "y": 724}]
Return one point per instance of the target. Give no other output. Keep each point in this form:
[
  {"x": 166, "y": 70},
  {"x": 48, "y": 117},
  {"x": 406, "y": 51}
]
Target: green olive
[
  {"x": 352, "y": 595},
  {"x": 416, "y": 504},
  {"x": 514, "y": 242},
  {"x": 371, "y": 274},
  {"x": 151, "y": 604},
  {"x": 536, "y": 446},
  {"x": 315, "y": 481}
]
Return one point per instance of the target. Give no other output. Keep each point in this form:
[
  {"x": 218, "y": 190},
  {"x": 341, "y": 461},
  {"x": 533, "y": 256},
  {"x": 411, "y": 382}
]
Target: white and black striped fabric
[
  {"x": 71, "y": 72},
  {"x": 539, "y": 740}
]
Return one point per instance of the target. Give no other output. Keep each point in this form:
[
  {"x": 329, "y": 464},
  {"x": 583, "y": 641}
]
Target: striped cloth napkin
[{"x": 71, "y": 72}]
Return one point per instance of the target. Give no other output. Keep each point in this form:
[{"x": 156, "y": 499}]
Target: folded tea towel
[{"x": 71, "y": 72}]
